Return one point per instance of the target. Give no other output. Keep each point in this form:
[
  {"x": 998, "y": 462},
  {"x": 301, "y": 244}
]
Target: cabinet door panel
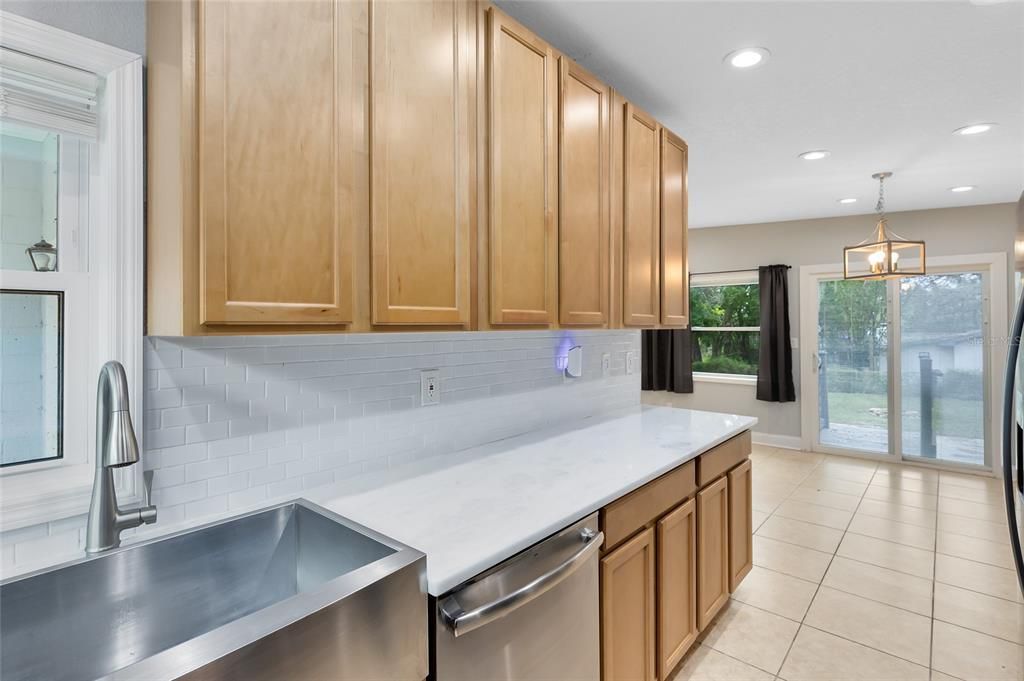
[
  {"x": 712, "y": 551},
  {"x": 275, "y": 144},
  {"x": 677, "y": 586},
  {"x": 583, "y": 198},
  {"x": 741, "y": 524},
  {"x": 627, "y": 611},
  {"x": 675, "y": 285},
  {"x": 522, "y": 179},
  {"x": 641, "y": 239},
  {"x": 421, "y": 86}
]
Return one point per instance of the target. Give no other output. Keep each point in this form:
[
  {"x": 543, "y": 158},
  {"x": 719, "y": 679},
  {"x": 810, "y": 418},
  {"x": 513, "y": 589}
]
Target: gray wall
[
  {"x": 121, "y": 23},
  {"x": 948, "y": 231}
]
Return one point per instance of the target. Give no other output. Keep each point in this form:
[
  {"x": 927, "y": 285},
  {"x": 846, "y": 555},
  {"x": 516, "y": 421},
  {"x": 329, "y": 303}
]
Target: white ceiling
[{"x": 880, "y": 84}]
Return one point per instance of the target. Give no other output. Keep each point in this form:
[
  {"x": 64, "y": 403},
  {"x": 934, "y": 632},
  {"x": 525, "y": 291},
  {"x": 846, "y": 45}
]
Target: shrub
[{"x": 725, "y": 365}]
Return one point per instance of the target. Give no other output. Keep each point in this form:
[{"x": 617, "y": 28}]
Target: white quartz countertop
[{"x": 471, "y": 510}]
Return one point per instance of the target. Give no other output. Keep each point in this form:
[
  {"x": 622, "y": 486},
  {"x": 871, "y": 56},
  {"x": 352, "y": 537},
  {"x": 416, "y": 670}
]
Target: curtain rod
[{"x": 752, "y": 269}]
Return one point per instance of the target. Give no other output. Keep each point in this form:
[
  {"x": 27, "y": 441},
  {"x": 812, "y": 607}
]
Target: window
[
  {"x": 70, "y": 260},
  {"x": 725, "y": 318}
]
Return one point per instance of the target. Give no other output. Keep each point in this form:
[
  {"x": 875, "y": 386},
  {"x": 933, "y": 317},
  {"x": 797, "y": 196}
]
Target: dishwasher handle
[{"x": 462, "y": 621}]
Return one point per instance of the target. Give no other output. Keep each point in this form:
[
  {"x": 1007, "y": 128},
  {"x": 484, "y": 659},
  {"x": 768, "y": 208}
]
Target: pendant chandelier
[{"x": 885, "y": 254}]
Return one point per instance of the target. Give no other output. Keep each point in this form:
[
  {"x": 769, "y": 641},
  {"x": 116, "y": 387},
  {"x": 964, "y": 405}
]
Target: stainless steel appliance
[
  {"x": 1013, "y": 408},
  {"x": 291, "y": 592},
  {"x": 531, "y": 618}
]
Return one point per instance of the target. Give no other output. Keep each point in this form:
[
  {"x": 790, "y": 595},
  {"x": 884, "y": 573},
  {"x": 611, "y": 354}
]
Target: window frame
[
  {"x": 103, "y": 286},
  {"x": 738, "y": 278}
]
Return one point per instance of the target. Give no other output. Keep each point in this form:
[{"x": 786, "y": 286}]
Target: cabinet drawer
[
  {"x": 715, "y": 462},
  {"x": 625, "y": 516}
]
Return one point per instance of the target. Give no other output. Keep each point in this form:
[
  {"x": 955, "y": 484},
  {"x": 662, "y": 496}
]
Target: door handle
[
  {"x": 461, "y": 621},
  {"x": 1009, "y": 419}
]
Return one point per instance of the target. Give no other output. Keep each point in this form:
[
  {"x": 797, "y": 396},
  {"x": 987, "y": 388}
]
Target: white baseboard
[{"x": 773, "y": 440}]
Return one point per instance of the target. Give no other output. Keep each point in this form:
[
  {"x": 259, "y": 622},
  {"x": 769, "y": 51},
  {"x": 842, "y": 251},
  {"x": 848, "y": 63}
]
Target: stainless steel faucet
[{"x": 116, "y": 447}]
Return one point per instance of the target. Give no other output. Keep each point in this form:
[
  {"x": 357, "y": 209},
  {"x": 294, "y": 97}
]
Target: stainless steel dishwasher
[{"x": 532, "y": 618}]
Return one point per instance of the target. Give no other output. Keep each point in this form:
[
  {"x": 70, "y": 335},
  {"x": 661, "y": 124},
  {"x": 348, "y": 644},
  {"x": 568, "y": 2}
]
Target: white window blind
[{"x": 47, "y": 95}]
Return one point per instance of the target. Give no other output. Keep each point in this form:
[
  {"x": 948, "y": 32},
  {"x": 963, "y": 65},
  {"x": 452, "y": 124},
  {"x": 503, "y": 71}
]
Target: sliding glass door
[
  {"x": 942, "y": 367},
  {"x": 900, "y": 367},
  {"x": 852, "y": 365}
]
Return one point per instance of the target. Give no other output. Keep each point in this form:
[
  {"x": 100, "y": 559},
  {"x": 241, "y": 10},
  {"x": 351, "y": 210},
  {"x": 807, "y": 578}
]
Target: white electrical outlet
[
  {"x": 606, "y": 365},
  {"x": 631, "y": 362},
  {"x": 430, "y": 387}
]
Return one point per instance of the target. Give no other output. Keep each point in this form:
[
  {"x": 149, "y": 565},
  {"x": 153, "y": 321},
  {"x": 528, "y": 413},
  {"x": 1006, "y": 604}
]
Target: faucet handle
[{"x": 147, "y": 479}]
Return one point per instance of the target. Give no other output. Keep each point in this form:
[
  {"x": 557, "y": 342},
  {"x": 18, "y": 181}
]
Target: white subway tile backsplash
[{"x": 231, "y": 421}]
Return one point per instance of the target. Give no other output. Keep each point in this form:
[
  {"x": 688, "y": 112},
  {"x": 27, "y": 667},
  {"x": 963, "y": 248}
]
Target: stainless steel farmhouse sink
[{"x": 291, "y": 592}]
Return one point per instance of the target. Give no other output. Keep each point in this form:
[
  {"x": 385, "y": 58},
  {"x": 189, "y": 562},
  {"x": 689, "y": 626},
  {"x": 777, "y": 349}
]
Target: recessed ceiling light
[
  {"x": 747, "y": 57},
  {"x": 847, "y": 200},
  {"x": 963, "y": 188},
  {"x": 975, "y": 129},
  {"x": 815, "y": 155}
]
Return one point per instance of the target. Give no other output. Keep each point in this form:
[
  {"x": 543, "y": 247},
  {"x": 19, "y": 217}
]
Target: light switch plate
[
  {"x": 631, "y": 362},
  {"x": 430, "y": 387},
  {"x": 606, "y": 365}
]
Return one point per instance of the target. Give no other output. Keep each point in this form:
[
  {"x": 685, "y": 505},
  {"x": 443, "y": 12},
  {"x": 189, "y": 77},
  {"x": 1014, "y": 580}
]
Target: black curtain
[
  {"x": 775, "y": 369},
  {"x": 666, "y": 361}
]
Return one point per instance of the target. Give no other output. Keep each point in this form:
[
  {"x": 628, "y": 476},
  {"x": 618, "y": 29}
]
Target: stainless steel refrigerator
[{"x": 1013, "y": 412}]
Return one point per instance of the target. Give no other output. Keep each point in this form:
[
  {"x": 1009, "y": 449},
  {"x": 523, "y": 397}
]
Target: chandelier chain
[{"x": 880, "y": 206}]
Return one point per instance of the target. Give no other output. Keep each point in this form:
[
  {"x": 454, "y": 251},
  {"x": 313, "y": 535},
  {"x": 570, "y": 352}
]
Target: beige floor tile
[
  {"x": 939, "y": 676},
  {"x": 812, "y": 513},
  {"x": 880, "y": 584},
  {"x": 847, "y": 468},
  {"x": 971, "y": 610},
  {"x": 970, "y": 509},
  {"x": 970, "y": 481},
  {"x": 974, "y": 656},
  {"x": 799, "y": 456},
  {"x": 992, "y": 497},
  {"x": 901, "y": 533},
  {"x": 819, "y": 656},
  {"x": 972, "y": 548},
  {"x": 895, "y": 495},
  {"x": 789, "y": 559},
  {"x": 752, "y": 635},
  {"x": 908, "y": 472},
  {"x": 707, "y": 664},
  {"x": 827, "y": 483},
  {"x": 958, "y": 524},
  {"x": 758, "y": 517},
  {"x": 776, "y": 592},
  {"x": 766, "y": 503},
  {"x": 898, "y": 632},
  {"x": 809, "y": 535},
  {"x": 908, "y": 484},
  {"x": 887, "y": 554},
  {"x": 973, "y": 576},
  {"x": 898, "y": 512},
  {"x": 845, "y": 502}
]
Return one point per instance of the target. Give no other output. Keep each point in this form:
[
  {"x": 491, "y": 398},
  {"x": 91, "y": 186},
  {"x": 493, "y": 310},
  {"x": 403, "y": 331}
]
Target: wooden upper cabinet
[
  {"x": 522, "y": 166},
  {"x": 583, "y": 197},
  {"x": 675, "y": 294},
  {"x": 422, "y": 84},
  {"x": 677, "y": 586},
  {"x": 640, "y": 224},
  {"x": 628, "y": 611},
  {"x": 274, "y": 142}
]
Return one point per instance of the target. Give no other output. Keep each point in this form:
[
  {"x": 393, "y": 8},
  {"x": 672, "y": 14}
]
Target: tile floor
[{"x": 868, "y": 571}]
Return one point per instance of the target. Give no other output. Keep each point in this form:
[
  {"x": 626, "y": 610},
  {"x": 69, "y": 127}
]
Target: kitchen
[{"x": 374, "y": 277}]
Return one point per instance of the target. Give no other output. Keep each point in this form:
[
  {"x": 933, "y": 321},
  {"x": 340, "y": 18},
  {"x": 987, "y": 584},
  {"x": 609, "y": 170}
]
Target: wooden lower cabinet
[
  {"x": 741, "y": 524},
  {"x": 628, "y": 611},
  {"x": 677, "y": 585},
  {"x": 712, "y": 550}
]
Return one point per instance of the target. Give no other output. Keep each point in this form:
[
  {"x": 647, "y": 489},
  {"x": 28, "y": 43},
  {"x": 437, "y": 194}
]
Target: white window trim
[
  {"x": 731, "y": 379},
  {"x": 724, "y": 279},
  {"x": 115, "y": 256}
]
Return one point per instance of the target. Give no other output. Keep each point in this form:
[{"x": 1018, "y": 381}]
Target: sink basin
[{"x": 293, "y": 591}]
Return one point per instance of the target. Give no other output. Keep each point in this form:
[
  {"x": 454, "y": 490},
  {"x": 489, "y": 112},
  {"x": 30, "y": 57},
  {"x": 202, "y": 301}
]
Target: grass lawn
[{"x": 960, "y": 418}]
